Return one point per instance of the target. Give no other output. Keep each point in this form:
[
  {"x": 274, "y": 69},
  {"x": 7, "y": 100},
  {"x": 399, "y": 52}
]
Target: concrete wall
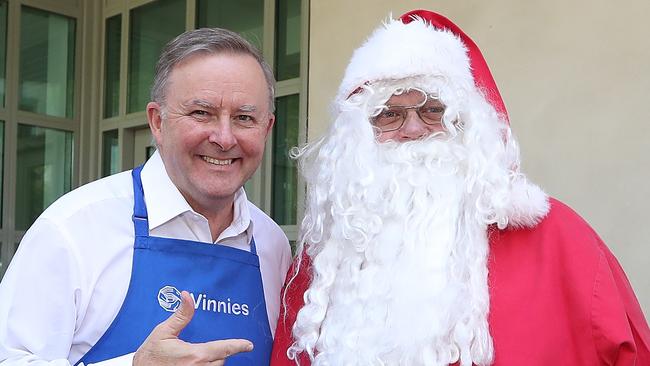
[{"x": 575, "y": 77}]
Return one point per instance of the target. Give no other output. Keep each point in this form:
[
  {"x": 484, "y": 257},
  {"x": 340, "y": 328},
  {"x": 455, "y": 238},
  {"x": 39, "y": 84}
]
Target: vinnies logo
[{"x": 169, "y": 299}]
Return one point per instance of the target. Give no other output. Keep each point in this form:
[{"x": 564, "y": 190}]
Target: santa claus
[{"x": 424, "y": 244}]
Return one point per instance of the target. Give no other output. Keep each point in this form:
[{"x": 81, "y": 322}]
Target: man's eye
[
  {"x": 199, "y": 113},
  {"x": 244, "y": 118},
  {"x": 388, "y": 114},
  {"x": 433, "y": 109}
]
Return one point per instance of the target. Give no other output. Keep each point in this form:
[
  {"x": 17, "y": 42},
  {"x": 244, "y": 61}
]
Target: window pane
[
  {"x": 287, "y": 41},
  {"x": 110, "y": 153},
  {"x": 112, "y": 66},
  {"x": 3, "y": 50},
  {"x": 2, "y": 168},
  {"x": 47, "y": 43},
  {"x": 245, "y": 17},
  {"x": 44, "y": 170},
  {"x": 152, "y": 26},
  {"x": 284, "y": 176}
]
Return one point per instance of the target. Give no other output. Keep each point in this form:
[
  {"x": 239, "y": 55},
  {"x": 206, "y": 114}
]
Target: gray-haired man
[{"x": 99, "y": 273}]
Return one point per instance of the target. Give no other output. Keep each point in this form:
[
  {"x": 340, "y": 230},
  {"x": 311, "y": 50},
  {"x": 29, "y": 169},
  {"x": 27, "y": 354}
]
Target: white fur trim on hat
[{"x": 406, "y": 50}]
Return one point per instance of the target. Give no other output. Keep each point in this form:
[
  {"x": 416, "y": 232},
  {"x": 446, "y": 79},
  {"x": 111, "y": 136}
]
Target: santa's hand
[{"x": 163, "y": 347}]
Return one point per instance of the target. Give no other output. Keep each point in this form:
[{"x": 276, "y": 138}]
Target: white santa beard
[{"x": 411, "y": 289}]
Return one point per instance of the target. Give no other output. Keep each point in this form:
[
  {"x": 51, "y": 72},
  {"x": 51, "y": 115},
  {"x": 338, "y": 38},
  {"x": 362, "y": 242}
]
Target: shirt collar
[
  {"x": 241, "y": 218},
  {"x": 165, "y": 202}
]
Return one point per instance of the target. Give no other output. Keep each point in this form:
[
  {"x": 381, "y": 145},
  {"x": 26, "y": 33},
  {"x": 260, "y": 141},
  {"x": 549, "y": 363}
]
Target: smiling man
[
  {"x": 169, "y": 259},
  {"x": 210, "y": 130}
]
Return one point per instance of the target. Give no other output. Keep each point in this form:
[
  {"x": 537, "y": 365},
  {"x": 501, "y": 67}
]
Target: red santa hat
[{"x": 421, "y": 43}]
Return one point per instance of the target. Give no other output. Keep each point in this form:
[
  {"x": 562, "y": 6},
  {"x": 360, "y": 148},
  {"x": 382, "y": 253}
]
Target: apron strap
[
  {"x": 253, "y": 248},
  {"x": 140, "y": 218}
]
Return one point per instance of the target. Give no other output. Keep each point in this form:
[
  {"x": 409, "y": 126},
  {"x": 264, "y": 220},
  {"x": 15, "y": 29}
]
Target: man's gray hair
[{"x": 205, "y": 41}]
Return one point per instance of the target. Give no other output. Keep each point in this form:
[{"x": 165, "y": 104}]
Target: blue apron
[{"x": 224, "y": 282}]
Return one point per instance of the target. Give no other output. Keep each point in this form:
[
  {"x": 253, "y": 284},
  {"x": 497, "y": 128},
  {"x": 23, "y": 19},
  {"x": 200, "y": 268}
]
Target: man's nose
[
  {"x": 413, "y": 127},
  {"x": 221, "y": 133}
]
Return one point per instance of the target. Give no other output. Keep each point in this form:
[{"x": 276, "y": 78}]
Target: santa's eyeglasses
[{"x": 392, "y": 117}]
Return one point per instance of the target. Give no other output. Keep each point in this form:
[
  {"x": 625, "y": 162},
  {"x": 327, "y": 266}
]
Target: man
[
  {"x": 106, "y": 263},
  {"x": 423, "y": 244}
]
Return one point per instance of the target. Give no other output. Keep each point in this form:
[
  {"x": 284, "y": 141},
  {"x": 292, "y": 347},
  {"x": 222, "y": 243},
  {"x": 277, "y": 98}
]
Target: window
[
  {"x": 224, "y": 14},
  {"x": 40, "y": 111},
  {"x": 124, "y": 107},
  {"x": 2, "y": 168},
  {"x": 112, "y": 40},
  {"x": 287, "y": 50},
  {"x": 47, "y": 50},
  {"x": 110, "y": 153},
  {"x": 286, "y": 189},
  {"x": 146, "y": 39},
  {"x": 44, "y": 171},
  {"x": 284, "y": 186},
  {"x": 3, "y": 50}
]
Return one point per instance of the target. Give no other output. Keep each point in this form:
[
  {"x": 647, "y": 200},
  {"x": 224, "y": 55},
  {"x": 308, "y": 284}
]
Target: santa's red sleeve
[
  {"x": 292, "y": 301},
  {"x": 619, "y": 329},
  {"x": 614, "y": 295},
  {"x": 557, "y": 289}
]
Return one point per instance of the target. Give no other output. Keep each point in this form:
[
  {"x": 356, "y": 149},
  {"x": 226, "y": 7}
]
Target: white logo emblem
[{"x": 169, "y": 298}]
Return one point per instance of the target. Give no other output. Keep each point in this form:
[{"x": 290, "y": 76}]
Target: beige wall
[{"x": 575, "y": 76}]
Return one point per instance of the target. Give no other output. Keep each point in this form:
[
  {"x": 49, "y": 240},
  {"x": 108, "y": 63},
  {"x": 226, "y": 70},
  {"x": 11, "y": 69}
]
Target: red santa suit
[{"x": 557, "y": 297}]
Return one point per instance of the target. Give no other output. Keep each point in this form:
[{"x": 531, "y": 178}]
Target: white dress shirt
[{"x": 70, "y": 274}]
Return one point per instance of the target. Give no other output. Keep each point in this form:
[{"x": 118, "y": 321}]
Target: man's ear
[
  {"x": 154, "y": 116},
  {"x": 270, "y": 125}
]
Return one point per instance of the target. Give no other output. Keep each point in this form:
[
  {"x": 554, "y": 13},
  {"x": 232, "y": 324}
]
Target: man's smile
[{"x": 217, "y": 161}]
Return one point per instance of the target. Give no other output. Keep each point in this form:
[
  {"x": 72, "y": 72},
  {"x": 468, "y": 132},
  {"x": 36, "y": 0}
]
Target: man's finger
[
  {"x": 173, "y": 326},
  {"x": 220, "y": 350}
]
